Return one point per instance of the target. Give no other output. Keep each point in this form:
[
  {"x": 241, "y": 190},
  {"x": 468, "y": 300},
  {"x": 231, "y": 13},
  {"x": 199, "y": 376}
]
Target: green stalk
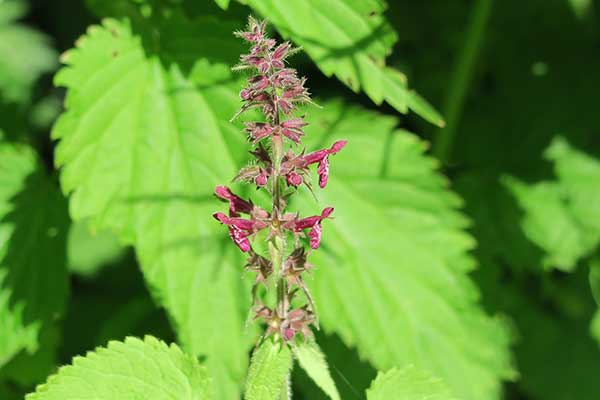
[{"x": 461, "y": 79}]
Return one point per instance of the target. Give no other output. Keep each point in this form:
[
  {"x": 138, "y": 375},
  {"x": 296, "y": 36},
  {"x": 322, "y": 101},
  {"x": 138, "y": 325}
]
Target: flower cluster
[{"x": 277, "y": 91}]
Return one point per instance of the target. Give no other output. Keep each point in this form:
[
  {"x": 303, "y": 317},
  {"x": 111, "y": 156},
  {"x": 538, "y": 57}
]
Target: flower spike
[{"x": 279, "y": 170}]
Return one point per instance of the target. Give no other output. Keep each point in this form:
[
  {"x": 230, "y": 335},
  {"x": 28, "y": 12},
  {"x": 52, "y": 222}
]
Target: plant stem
[
  {"x": 461, "y": 79},
  {"x": 279, "y": 239}
]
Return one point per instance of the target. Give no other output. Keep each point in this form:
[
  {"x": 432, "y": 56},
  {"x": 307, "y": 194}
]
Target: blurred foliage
[{"x": 487, "y": 277}]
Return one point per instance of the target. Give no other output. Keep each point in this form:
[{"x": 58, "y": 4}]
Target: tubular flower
[{"x": 279, "y": 170}]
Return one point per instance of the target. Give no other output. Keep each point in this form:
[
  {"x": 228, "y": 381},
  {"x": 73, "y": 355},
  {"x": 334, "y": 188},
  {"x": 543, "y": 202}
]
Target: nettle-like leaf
[
  {"x": 269, "y": 372},
  {"x": 25, "y": 54},
  {"x": 138, "y": 154},
  {"x": 312, "y": 360},
  {"x": 391, "y": 278},
  {"x": 348, "y": 39},
  {"x": 562, "y": 217},
  {"x": 408, "y": 383},
  {"x": 133, "y": 369},
  {"x": 33, "y": 276}
]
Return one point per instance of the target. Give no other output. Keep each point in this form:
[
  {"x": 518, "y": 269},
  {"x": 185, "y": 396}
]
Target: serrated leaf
[
  {"x": 269, "y": 370},
  {"x": 561, "y": 217},
  {"x": 142, "y": 146},
  {"x": 408, "y": 383},
  {"x": 391, "y": 277},
  {"x": 134, "y": 369},
  {"x": 312, "y": 360},
  {"x": 25, "y": 54},
  {"x": 33, "y": 277},
  {"x": 348, "y": 39}
]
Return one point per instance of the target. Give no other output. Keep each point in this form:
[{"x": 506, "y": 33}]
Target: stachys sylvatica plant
[{"x": 281, "y": 167}]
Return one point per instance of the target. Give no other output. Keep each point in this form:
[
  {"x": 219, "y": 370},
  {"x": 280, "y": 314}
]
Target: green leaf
[
  {"x": 223, "y": 4},
  {"x": 579, "y": 175},
  {"x": 142, "y": 145},
  {"x": 408, "y": 383},
  {"x": 89, "y": 251},
  {"x": 312, "y": 360},
  {"x": 134, "y": 369},
  {"x": 33, "y": 277},
  {"x": 562, "y": 217},
  {"x": 391, "y": 276},
  {"x": 269, "y": 372},
  {"x": 25, "y": 54},
  {"x": 348, "y": 39}
]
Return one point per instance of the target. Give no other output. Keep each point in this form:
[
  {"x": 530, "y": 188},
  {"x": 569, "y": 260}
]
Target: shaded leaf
[
  {"x": 33, "y": 276},
  {"x": 562, "y": 217}
]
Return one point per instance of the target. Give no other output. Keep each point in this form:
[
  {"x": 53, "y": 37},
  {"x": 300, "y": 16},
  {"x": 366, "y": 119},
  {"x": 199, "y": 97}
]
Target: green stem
[{"x": 461, "y": 79}]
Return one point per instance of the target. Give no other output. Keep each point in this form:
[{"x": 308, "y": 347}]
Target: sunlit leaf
[
  {"x": 268, "y": 373},
  {"x": 408, "y": 383},
  {"x": 138, "y": 146},
  {"x": 134, "y": 369},
  {"x": 391, "y": 277}
]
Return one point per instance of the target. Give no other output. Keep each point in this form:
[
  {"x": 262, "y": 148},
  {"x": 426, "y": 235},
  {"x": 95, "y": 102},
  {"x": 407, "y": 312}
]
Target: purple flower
[
  {"x": 293, "y": 165},
  {"x": 259, "y": 130},
  {"x": 313, "y": 223},
  {"x": 236, "y": 204},
  {"x": 322, "y": 157},
  {"x": 294, "y": 179},
  {"x": 240, "y": 229},
  {"x": 292, "y": 129}
]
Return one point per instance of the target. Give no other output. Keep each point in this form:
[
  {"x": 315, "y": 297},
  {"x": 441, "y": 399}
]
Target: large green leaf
[
  {"x": 391, "y": 277},
  {"x": 408, "y": 383},
  {"x": 25, "y": 54},
  {"x": 142, "y": 146},
  {"x": 33, "y": 277},
  {"x": 134, "y": 369},
  {"x": 348, "y": 39}
]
